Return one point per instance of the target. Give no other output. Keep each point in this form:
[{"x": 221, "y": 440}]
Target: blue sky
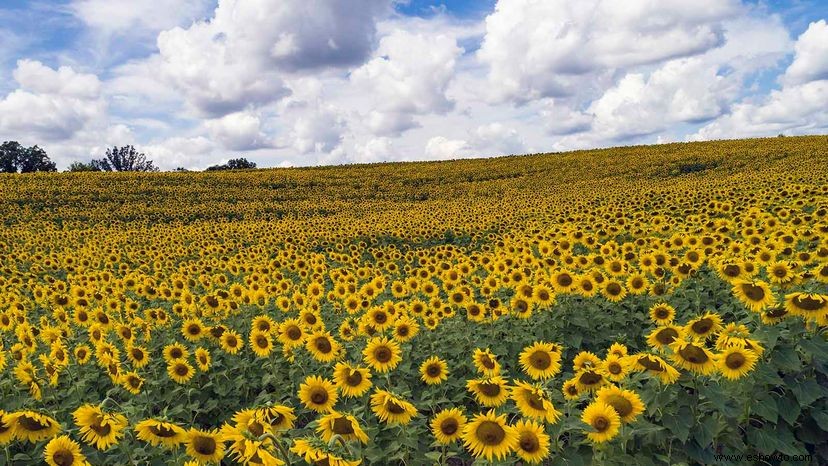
[{"x": 368, "y": 80}]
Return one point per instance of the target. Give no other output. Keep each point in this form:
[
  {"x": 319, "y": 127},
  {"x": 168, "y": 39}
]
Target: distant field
[{"x": 642, "y": 305}]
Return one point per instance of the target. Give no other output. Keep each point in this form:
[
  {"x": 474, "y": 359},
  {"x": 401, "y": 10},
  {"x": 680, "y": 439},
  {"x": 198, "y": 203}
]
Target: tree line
[{"x": 16, "y": 158}]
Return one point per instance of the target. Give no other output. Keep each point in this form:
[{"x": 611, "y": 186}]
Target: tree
[
  {"x": 234, "y": 164},
  {"x": 82, "y": 167},
  {"x": 14, "y": 157},
  {"x": 124, "y": 159}
]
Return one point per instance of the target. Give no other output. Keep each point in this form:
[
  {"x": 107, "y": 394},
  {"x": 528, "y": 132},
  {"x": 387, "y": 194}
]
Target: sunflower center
[
  {"x": 600, "y": 423},
  {"x": 100, "y": 429},
  {"x": 694, "y": 354},
  {"x": 323, "y": 345},
  {"x": 231, "y": 341},
  {"x": 262, "y": 342},
  {"x": 614, "y": 368},
  {"x": 529, "y": 442},
  {"x": 383, "y": 354},
  {"x": 489, "y": 389},
  {"x": 590, "y": 378},
  {"x": 702, "y": 326},
  {"x": 162, "y": 431},
  {"x": 614, "y": 289},
  {"x": 662, "y": 313},
  {"x": 535, "y": 401},
  {"x": 380, "y": 318},
  {"x": 393, "y": 407},
  {"x": 732, "y": 270},
  {"x": 343, "y": 426},
  {"x": 753, "y": 292},
  {"x": 449, "y": 426},
  {"x": 540, "y": 360},
  {"x": 193, "y": 329},
  {"x": 586, "y": 285},
  {"x": 293, "y": 332},
  {"x": 354, "y": 379},
  {"x": 176, "y": 353},
  {"x": 255, "y": 428},
  {"x": 621, "y": 405},
  {"x": 780, "y": 272},
  {"x": 735, "y": 361},
  {"x": 490, "y": 433},
  {"x": 807, "y": 303},
  {"x": 487, "y": 362},
  {"x": 666, "y": 336},
  {"x": 434, "y": 370},
  {"x": 63, "y": 458},
  {"x": 181, "y": 370},
  {"x": 564, "y": 279},
  {"x": 543, "y": 296},
  {"x": 776, "y": 313},
  {"x": 31, "y": 424},
  {"x": 319, "y": 397},
  {"x": 204, "y": 445}
]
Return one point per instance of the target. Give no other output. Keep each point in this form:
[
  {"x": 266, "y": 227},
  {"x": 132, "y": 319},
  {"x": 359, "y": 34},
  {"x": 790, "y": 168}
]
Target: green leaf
[
  {"x": 821, "y": 418},
  {"x": 765, "y": 406},
  {"x": 678, "y": 423},
  {"x": 705, "y": 431},
  {"x": 788, "y": 409},
  {"x": 807, "y": 391},
  {"x": 787, "y": 359}
]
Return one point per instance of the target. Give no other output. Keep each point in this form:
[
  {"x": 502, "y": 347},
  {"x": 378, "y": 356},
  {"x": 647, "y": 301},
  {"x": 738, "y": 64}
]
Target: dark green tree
[
  {"x": 234, "y": 164},
  {"x": 82, "y": 167},
  {"x": 124, "y": 159},
  {"x": 16, "y": 158}
]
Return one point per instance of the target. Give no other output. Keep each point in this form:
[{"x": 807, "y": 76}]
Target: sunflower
[
  {"x": 291, "y": 333},
  {"x": 662, "y": 337},
  {"x": 613, "y": 290},
  {"x": 82, "y": 354},
  {"x": 585, "y": 286},
  {"x": 588, "y": 380},
  {"x": 180, "y": 371},
  {"x": 343, "y": 424},
  {"x": 382, "y": 354},
  {"x": 405, "y": 328},
  {"x": 203, "y": 359},
  {"x": 447, "y": 425},
  {"x": 692, "y": 356},
  {"x": 488, "y": 435},
  {"x": 533, "y": 402},
  {"x": 318, "y": 394},
  {"x": 231, "y": 341},
  {"x": 489, "y": 391},
  {"x": 774, "y": 315},
  {"x": 604, "y": 421},
  {"x": 204, "y": 446},
  {"x": 434, "y": 371},
  {"x": 570, "y": 390},
  {"x": 137, "y": 355},
  {"x": 584, "y": 360},
  {"x": 656, "y": 366},
  {"x": 780, "y": 272},
  {"x": 756, "y": 295},
  {"x": 392, "y": 409},
  {"x": 32, "y": 427},
  {"x": 192, "y": 329},
  {"x": 626, "y": 403},
  {"x": 322, "y": 346},
  {"x": 704, "y": 326},
  {"x": 615, "y": 368},
  {"x": 533, "y": 443},
  {"x": 6, "y": 428},
  {"x": 617, "y": 349},
  {"x": 662, "y": 314},
  {"x": 264, "y": 324},
  {"x": 161, "y": 433},
  {"x": 810, "y": 306},
  {"x": 563, "y": 281},
  {"x": 261, "y": 343},
  {"x": 380, "y": 319},
  {"x": 638, "y": 283},
  {"x": 131, "y": 382},
  {"x": 99, "y": 429},
  {"x": 63, "y": 451},
  {"x": 352, "y": 381},
  {"x": 315, "y": 451},
  {"x": 735, "y": 362},
  {"x": 175, "y": 351},
  {"x": 279, "y": 417},
  {"x": 486, "y": 362},
  {"x": 541, "y": 360}
]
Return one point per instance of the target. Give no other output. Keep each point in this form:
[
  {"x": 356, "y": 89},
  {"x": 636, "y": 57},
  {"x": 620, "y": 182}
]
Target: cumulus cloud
[
  {"x": 238, "y": 131},
  {"x": 403, "y": 84},
  {"x": 797, "y": 108},
  {"x": 811, "y": 59},
  {"x": 440, "y": 147},
  {"x": 318, "y": 131},
  {"x": 497, "y": 139},
  {"x": 125, "y": 16},
  {"x": 50, "y": 104},
  {"x": 540, "y": 49},
  {"x": 237, "y": 59}
]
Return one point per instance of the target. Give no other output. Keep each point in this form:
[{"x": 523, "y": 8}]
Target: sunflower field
[{"x": 643, "y": 305}]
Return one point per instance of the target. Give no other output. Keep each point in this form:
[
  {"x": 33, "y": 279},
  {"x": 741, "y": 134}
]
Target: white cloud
[
  {"x": 797, "y": 108},
  {"x": 811, "y": 59},
  {"x": 497, "y": 139},
  {"x": 50, "y": 104},
  {"x": 319, "y": 131},
  {"x": 539, "y": 49},
  {"x": 238, "y": 58},
  {"x": 125, "y": 16},
  {"x": 402, "y": 84},
  {"x": 238, "y": 131},
  {"x": 440, "y": 147},
  {"x": 375, "y": 150}
]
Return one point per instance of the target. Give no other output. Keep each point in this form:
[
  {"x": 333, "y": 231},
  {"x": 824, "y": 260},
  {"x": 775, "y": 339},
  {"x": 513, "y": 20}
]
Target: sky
[{"x": 193, "y": 83}]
